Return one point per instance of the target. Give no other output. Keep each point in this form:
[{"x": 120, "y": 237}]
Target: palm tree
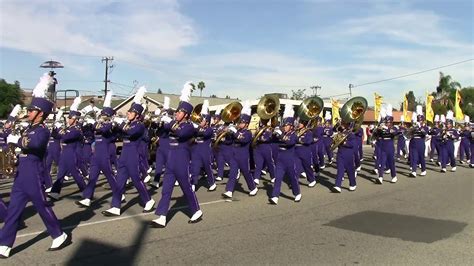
[
  {"x": 201, "y": 86},
  {"x": 446, "y": 89}
]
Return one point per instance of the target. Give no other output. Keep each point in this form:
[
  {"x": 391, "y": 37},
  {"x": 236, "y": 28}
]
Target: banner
[
  {"x": 405, "y": 109},
  {"x": 457, "y": 107},
  {"x": 429, "y": 108},
  {"x": 377, "y": 105},
  {"x": 335, "y": 111}
]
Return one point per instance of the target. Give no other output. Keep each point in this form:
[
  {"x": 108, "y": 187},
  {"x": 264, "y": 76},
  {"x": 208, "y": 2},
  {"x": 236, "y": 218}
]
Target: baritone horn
[
  {"x": 267, "y": 108},
  {"x": 351, "y": 112}
]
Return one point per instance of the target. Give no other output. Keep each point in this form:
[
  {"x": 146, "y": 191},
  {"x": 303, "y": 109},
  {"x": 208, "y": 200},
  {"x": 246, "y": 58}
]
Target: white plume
[
  {"x": 389, "y": 110},
  {"x": 186, "y": 92},
  {"x": 205, "y": 107},
  {"x": 419, "y": 110},
  {"x": 402, "y": 118},
  {"x": 466, "y": 119},
  {"x": 42, "y": 86},
  {"x": 246, "y": 107},
  {"x": 75, "y": 104},
  {"x": 443, "y": 119},
  {"x": 289, "y": 112},
  {"x": 218, "y": 110},
  {"x": 413, "y": 117},
  {"x": 450, "y": 115},
  {"x": 436, "y": 118},
  {"x": 139, "y": 95},
  {"x": 382, "y": 113},
  {"x": 108, "y": 99},
  {"x": 15, "y": 110},
  {"x": 59, "y": 115},
  {"x": 327, "y": 116},
  {"x": 166, "y": 103}
]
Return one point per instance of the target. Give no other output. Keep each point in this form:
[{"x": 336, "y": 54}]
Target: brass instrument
[
  {"x": 196, "y": 114},
  {"x": 230, "y": 114},
  {"x": 267, "y": 108},
  {"x": 351, "y": 112},
  {"x": 8, "y": 156},
  {"x": 309, "y": 109}
]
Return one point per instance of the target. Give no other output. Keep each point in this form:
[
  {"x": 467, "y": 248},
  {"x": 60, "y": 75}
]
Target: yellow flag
[
  {"x": 405, "y": 109},
  {"x": 429, "y": 108},
  {"x": 377, "y": 105},
  {"x": 335, "y": 111},
  {"x": 457, "y": 106}
]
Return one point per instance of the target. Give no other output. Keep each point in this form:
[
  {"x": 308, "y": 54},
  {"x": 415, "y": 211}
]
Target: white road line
[{"x": 115, "y": 219}]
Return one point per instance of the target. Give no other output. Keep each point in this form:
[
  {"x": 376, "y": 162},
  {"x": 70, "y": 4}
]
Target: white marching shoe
[
  {"x": 253, "y": 192},
  {"x": 352, "y": 188},
  {"x": 453, "y": 169},
  {"x": 322, "y": 167},
  {"x": 147, "y": 179},
  {"x": 273, "y": 180},
  {"x": 48, "y": 190},
  {"x": 443, "y": 170},
  {"x": 84, "y": 203},
  {"x": 380, "y": 180},
  {"x": 298, "y": 198},
  {"x": 122, "y": 199},
  {"x": 423, "y": 173},
  {"x": 387, "y": 171},
  {"x": 67, "y": 178},
  {"x": 376, "y": 171},
  {"x": 227, "y": 194},
  {"x": 256, "y": 181},
  {"x": 112, "y": 212},
  {"x": 5, "y": 252},
  {"x": 155, "y": 184},
  {"x": 197, "y": 216},
  {"x": 218, "y": 178},
  {"x": 149, "y": 170},
  {"x": 312, "y": 184},
  {"x": 149, "y": 205},
  {"x": 359, "y": 168},
  {"x": 274, "y": 200},
  {"x": 176, "y": 183},
  {"x": 394, "y": 179},
  {"x": 159, "y": 222},
  {"x": 60, "y": 242},
  {"x": 413, "y": 174},
  {"x": 212, "y": 187},
  {"x": 303, "y": 174},
  {"x": 337, "y": 189},
  {"x": 264, "y": 172}
]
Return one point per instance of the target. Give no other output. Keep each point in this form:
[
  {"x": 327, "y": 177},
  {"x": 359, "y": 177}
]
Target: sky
[{"x": 240, "y": 48}]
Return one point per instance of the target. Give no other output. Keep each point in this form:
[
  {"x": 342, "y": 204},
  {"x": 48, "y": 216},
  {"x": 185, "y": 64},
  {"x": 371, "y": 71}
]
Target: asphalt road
[{"x": 423, "y": 220}]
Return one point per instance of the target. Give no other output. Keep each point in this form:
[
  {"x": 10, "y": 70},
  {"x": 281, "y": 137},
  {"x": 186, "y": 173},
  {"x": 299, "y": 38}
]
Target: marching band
[{"x": 190, "y": 141}]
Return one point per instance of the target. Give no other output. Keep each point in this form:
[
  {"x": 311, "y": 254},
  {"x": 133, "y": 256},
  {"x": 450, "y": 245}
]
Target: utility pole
[
  {"x": 350, "y": 90},
  {"x": 315, "y": 89},
  {"x": 106, "y": 81}
]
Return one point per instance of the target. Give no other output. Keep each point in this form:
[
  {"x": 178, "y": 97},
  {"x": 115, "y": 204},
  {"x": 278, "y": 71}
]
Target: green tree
[
  {"x": 9, "y": 97},
  {"x": 201, "y": 86},
  {"x": 298, "y": 94}
]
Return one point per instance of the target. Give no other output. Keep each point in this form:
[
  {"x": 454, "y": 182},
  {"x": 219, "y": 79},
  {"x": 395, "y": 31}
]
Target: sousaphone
[{"x": 267, "y": 108}]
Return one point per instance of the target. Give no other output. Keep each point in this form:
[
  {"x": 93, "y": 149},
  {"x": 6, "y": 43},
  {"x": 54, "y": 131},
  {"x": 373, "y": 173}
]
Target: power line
[{"x": 412, "y": 74}]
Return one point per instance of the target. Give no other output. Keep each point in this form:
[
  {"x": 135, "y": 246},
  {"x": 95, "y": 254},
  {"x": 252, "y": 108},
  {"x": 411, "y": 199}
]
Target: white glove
[
  {"x": 24, "y": 124},
  {"x": 58, "y": 125},
  {"x": 13, "y": 138},
  {"x": 90, "y": 121},
  {"x": 232, "y": 129},
  {"x": 166, "y": 119},
  {"x": 195, "y": 125},
  {"x": 118, "y": 120},
  {"x": 277, "y": 131}
]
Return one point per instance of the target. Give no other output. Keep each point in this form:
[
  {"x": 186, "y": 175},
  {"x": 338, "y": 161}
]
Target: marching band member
[
  {"x": 216, "y": 126},
  {"x": 85, "y": 154},
  {"x": 377, "y": 145},
  {"x": 225, "y": 153},
  {"x": 128, "y": 163},
  {"x": 385, "y": 136},
  {"x": 54, "y": 150},
  {"x": 70, "y": 141},
  {"x": 471, "y": 141},
  {"x": 401, "y": 147},
  {"x": 177, "y": 165},
  {"x": 262, "y": 152},
  {"x": 417, "y": 142},
  {"x": 100, "y": 160},
  {"x": 449, "y": 134},
  {"x": 201, "y": 152},
  {"x": 303, "y": 152},
  {"x": 464, "y": 147},
  {"x": 27, "y": 184},
  {"x": 241, "y": 138},
  {"x": 163, "y": 144},
  {"x": 327, "y": 136},
  {"x": 8, "y": 126},
  {"x": 435, "y": 133},
  {"x": 285, "y": 164},
  {"x": 318, "y": 145},
  {"x": 358, "y": 153},
  {"x": 345, "y": 159}
]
